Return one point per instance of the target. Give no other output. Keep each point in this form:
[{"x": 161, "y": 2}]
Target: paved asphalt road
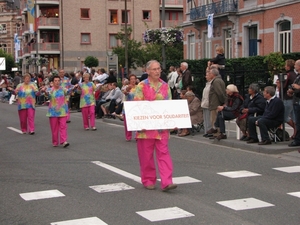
[{"x": 40, "y": 184}]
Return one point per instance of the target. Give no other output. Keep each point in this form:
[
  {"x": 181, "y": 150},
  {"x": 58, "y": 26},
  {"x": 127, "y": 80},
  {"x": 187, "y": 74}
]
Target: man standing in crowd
[
  {"x": 16, "y": 80},
  {"x": 152, "y": 89},
  {"x": 186, "y": 75},
  {"x": 217, "y": 96},
  {"x": 295, "y": 91},
  {"x": 172, "y": 77}
]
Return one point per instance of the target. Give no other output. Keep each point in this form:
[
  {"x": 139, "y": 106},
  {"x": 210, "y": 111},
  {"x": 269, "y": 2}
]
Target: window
[
  {"x": 284, "y": 39},
  {"x": 113, "y": 16},
  {"x": 113, "y": 42},
  {"x": 125, "y": 16},
  {"x": 207, "y": 49},
  {"x": 3, "y": 28},
  {"x": 85, "y": 14},
  {"x": 85, "y": 38},
  {"x": 191, "y": 47},
  {"x": 146, "y": 15},
  {"x": 3, "y": 47},
  {"x": 228, "y": 43},
  {"x": 50, "y": 36}
]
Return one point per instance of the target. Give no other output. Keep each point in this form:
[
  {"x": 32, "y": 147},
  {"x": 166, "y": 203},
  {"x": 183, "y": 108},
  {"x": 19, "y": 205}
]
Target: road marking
[
  {"x": 84, "y": 221},
  {"x": 184, "y": 180},
  {"x": 296, "y": 194},
  {"x": 41, "y": 195},
  {"x": 289, "y": 169},
  {"x": 239, "y": 174},
  {"x": 111, "y": 187},
  {"x": 15, "y": 130},
  {"x": 246, "y": 203},
  {"x": 164, "y": 214},
  {"x": 118, "y": 171}
]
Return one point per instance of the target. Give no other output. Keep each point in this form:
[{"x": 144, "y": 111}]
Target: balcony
[
  {"x": 173, "y": 2},
  {"x": 47, "y": 2},
  {"x": 172, "y": 23},
  {"x": 218, "y": 8},
  {"x": 46, "y": 48},
  {"x": 45, "y": 22}
]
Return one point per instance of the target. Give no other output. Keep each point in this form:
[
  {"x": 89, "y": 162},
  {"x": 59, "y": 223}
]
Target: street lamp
[
  {"x": 126, "y": 40},
  {"x": 163, "y": 18}
]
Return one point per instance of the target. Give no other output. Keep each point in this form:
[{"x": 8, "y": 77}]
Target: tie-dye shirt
[
  {"x": 87, "y": 96},
  {"x": 146, "y": 91},
  {"x": 58, "y": 106},
  {"x": 26, "y": 95}
]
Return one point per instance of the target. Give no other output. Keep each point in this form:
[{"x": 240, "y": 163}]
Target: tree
[
  {"x": 91, "y": 61},
  {"x": 9, "y": 59}
]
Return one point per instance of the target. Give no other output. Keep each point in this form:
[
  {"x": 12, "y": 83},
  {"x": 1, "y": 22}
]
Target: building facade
[
  {"x": 244, "y": 27},
  {"x": 10, "y": 23},
  {"x": 66, "y": 32}
]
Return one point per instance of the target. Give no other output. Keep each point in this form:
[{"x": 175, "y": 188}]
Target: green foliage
[
  {"x": 10, "y": 62},
  {"x": 91, "y": 61},
  {"x": 275, "y": 63}
]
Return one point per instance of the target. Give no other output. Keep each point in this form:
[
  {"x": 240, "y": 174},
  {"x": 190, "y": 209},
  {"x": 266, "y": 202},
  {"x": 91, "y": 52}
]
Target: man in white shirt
[
  {"x": 172, "y": 77},
  {"x": 102, "y": 76}
]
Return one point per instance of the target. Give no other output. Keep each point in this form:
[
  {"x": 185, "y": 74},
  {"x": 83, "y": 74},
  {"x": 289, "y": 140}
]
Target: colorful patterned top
[
  {"x": 65, "y": 83},
  {"x": 87, "y": 96},
  {"x": 129, "y": 96},
  {"x": 26, "y": 95},
  {"x": 146, "y": 91},
  {"x": 58, "y": 106}
]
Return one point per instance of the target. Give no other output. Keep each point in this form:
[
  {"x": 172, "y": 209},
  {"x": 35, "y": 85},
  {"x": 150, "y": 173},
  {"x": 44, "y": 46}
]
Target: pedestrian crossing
[{"x": 168, "y": 213}]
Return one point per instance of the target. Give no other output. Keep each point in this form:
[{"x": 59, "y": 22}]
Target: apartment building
[
  {"x": 244, "y": 27},
  {"x": 65, "y": 32},
  {"x": 10, "y": 23}
]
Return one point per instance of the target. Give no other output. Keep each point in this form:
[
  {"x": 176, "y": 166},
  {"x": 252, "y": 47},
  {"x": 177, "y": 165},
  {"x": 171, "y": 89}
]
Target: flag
[{"x": 210, "y": 25}]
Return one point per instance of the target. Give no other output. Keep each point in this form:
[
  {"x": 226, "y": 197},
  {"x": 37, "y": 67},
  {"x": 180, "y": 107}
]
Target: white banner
[
  {"x": 156, "y": 115},
  {"x": 210, "y": 25}
]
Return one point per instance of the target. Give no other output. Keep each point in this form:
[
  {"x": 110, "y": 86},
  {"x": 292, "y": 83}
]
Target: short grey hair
[
  {"x": 185, "y": 64},
  {"x": 148, "y": 64},
  {"x": 270, "y": 90},
  {"x": 254, "y": 87},
  {"x": 215, "y": 72}
]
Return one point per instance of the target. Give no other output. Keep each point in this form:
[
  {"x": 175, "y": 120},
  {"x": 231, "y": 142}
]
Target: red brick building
[{"x": 244, "y": 27}]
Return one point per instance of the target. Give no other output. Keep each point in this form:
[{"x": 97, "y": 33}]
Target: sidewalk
[{"x": 231, "y": 141}]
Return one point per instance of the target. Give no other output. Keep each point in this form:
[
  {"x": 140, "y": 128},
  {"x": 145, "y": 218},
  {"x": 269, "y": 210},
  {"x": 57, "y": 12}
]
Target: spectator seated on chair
[
  {"x": 254, "y": 105},
  {"x": 195, "y": 110},
  {"x": 112, "y": 100},
  {"x": 106, "y": 91},
  {"x": 229, "y": 111},
  {"x": 272, "y": 117}
]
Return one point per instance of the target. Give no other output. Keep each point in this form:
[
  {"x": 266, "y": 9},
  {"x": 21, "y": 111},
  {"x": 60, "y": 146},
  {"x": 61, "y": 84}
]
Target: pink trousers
[
  {"x": 59, "y": 129},
  {"x": 88, "y": 113},
  {"x": 146, "y": 149},
  {"x": 27, "y": 115},
  {"x": 128, "y": 134}
]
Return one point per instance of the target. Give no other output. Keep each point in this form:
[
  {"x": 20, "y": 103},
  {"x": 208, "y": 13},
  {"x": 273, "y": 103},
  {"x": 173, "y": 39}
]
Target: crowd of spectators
[{"x": 262, "y": 109}]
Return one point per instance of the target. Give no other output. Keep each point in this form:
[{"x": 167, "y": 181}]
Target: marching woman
[
  {"x": 57, "y": 112},
  {"x": 86, "y": 90},
  {"x": 26, "y": 93},
  {"x": 129, "y": 95}
]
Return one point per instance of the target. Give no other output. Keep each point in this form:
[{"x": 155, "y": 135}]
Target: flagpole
[{"x": 36, "y": 36}]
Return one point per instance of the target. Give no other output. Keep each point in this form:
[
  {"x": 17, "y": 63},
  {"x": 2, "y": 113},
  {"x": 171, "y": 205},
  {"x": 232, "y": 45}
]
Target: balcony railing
[
  {"x": 44, "y": 21},
  {"x": 47, "y": 46},
  {"x": 47, "y": 1},
  {"x": 221, "y": 7},
  {"x": 173, "y": 2},
  {"x": 172, "y": 23}
]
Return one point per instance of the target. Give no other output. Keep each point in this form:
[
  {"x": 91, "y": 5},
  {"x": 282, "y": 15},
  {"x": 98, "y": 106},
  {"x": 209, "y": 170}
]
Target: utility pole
[
  {"x": 163, "y": 18},
  {"x": 126, "y": 41}
]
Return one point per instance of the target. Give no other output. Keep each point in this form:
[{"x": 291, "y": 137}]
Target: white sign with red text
[{"x": 157, "y": 115}]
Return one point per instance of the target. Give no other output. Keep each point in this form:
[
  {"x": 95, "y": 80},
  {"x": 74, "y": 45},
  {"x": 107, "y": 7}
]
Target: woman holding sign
[{"x": 153, "y": 88}]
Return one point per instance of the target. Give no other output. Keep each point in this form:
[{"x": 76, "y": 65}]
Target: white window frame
[
  {"x": 284, "y": 37},
  {"x": 113, "y": 42},
  {"x": 191, "y": 46},
  {"x": 207, "y": 47},
  {"x": 3, "y": 28},
  {"x": 228, "y": 43}
]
